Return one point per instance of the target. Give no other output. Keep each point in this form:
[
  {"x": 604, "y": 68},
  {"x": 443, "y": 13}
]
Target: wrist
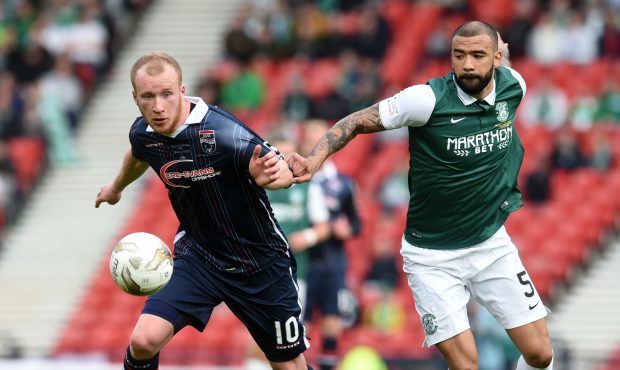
[{"x": 310, "y": 236}]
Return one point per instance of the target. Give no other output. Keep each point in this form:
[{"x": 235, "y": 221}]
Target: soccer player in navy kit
[
  {"x": 465, "y": 156},
  {"x": 229, "y": 247},
  {"x": 327, "y": 292}
]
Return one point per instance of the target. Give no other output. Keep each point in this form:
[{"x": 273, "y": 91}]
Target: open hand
[{"x": 108, "y": 195}]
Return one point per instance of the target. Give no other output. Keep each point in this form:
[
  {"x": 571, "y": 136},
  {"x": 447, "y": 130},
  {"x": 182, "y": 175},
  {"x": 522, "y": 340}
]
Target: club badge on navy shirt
[{"x": 207, "y": 141}]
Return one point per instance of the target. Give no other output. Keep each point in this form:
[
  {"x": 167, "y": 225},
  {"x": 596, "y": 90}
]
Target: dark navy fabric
[
  {"x": 267, "y": 303},
  {"x": 226, "y": 217}
]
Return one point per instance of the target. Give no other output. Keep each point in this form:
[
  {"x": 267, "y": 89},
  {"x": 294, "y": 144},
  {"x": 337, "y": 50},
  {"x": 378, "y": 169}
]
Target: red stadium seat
[{"x": 28, "y": 156}]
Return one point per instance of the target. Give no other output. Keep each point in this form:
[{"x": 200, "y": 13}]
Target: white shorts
[{"x": 442, "y": 281}]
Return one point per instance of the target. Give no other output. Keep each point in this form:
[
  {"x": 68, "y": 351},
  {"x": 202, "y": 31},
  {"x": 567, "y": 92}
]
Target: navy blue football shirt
[{"x": 204, "y": 164}]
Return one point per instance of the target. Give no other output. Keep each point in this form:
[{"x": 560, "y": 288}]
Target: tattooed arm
[{"x": 361, "y": 122}]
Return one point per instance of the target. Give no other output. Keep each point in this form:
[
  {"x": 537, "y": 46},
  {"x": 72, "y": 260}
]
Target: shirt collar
[
  {"x": 468, "y": 99},
  {"x": 195, "y": 116}
]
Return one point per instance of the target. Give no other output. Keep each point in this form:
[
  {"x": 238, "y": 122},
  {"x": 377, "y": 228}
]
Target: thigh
[
  {"x": 190, "y": 295},
  {"x": 269, "y": 306},
  {"x": 506, "y": 290},
  {"x": 440, "y": 295}
]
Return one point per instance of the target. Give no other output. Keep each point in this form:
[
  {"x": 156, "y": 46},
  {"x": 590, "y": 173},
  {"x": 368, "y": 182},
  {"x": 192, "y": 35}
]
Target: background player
[
  {"x": 302, "y": 214},
  {"x": 464, "y": 159},
  {"x": 327, "y": 292},
  {"x": 229, "y": 248}
]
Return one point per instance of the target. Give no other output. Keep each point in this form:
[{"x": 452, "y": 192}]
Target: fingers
[
  {"x": 302, "y": 178},
  {"x": 256, "y": 152},
  {"x": 98, "y": 201}
]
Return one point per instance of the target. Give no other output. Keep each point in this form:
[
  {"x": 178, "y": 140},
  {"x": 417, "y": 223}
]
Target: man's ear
[{"x": 135, "y": 97}]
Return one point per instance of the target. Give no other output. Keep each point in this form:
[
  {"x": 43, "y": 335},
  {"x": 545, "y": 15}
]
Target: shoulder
[
  {"x": 410, "y": 107},
  {"x": 511, "y": 76}
]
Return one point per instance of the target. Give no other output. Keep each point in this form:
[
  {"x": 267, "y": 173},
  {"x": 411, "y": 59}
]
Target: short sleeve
[
  {"x": 410, "y": 107},
  {"x": 136, "y": 152},
  {"x": 519, "y": 78}
]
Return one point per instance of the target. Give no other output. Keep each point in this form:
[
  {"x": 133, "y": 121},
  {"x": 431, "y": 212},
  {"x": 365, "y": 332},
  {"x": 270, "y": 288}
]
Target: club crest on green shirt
[{"x": 501, "y": 108}]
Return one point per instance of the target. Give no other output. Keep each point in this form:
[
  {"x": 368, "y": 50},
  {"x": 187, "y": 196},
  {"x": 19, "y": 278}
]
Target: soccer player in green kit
[{"x": 464, "y": 159}]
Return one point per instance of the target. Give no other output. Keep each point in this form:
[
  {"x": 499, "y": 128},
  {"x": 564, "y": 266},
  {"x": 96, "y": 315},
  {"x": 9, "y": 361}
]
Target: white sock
[{"x": 522, "y": 365}]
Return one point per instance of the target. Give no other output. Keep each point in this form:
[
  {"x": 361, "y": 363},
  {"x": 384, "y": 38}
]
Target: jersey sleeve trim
[
  {"x": 410, "y": 107},
  {"x": 520, "y": 79}
]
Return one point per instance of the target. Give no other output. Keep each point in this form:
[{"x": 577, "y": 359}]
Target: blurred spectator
[
  {"x": 62, "y": 83},
  {"x": 609, "y": 105},
  {"x": 297, "y": 103},
  {"x": 312, "y": 30},
  {"x": 394, "y": 192},
  {"x": 56, "y": 125},
  {"x": 30, "y": 63},
  {"x": 237, "y": 44},
  {"x": 545, "y": 104},
  {"x": 495, "y": 350},
  {"x": 279, "y": 34},
  {"x": 374, "y": 33},
  {"x": 610, "y": 42},
  {"x": 384, "y": 273},
  {"x": 385, "y": 314},
  {"x": 601, "y": 157},
  {"x": 584, "y": 109},
  {"x": 518, "y": 32},
  {"x": 546, "y": 41},
  {"x": 566, "y": 154},
  {"x": 330, "y": 107},
  {"x": 24, "y": 17},
  {"x": 362, "y": 358},
  {"x": 87, "y": 44},
  {"x": 11, "y": 107},
  {"x": 537, "y": 183},
  {"x": 439, "y": 41},
  {"x": 244, "y": 91},
  {"x": 580, "y": 40},
  {"x": 209, "y": 89},
  {"x": 10, "y": 196}
]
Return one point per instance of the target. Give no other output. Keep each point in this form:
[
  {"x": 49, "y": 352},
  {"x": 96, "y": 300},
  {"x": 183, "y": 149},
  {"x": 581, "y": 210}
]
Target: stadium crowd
[
  {"x": 53, "y": 53},
  {"x": 290, "y": 61}
]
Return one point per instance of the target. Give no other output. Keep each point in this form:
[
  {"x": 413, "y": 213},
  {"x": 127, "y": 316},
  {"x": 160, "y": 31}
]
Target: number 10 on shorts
[{"x": 291, "y": 331}]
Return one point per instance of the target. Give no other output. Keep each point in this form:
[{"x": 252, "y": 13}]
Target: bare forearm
[
  {"x": 131, "y": 170},
  {"x": 364, "y": 121}
]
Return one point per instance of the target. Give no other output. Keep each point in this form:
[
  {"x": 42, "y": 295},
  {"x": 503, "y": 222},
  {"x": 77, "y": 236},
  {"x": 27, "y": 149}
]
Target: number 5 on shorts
[
  {"x": 291, "y": 329},
  {"x": 526, "y": 282}
]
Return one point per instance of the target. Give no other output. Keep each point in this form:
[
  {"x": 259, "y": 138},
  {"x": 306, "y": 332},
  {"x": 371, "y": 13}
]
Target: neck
[{"x": 183, "y": 114}]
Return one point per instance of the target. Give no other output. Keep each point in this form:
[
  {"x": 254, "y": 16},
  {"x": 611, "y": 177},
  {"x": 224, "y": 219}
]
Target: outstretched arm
[
  {"x": 361, "y": 122},
  {"x": 131, "y": 170}
]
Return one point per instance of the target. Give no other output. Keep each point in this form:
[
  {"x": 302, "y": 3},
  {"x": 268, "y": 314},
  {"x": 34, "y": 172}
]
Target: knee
[
  {"x": 143, "y": 346},
  {"x": 540, "y": 358}
]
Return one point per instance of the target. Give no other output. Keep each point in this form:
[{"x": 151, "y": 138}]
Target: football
[{"x": 141, "y": 264}]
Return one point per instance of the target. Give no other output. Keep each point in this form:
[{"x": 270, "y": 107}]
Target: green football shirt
[
  {"x": 297, "y": 208},
  {"x": 465, "y": 156}
]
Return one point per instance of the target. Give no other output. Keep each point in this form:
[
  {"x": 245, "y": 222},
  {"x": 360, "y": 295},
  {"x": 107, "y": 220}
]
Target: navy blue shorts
[
  {"x": 325, "y": 285},
  {"x": 267, "y": 303}
]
